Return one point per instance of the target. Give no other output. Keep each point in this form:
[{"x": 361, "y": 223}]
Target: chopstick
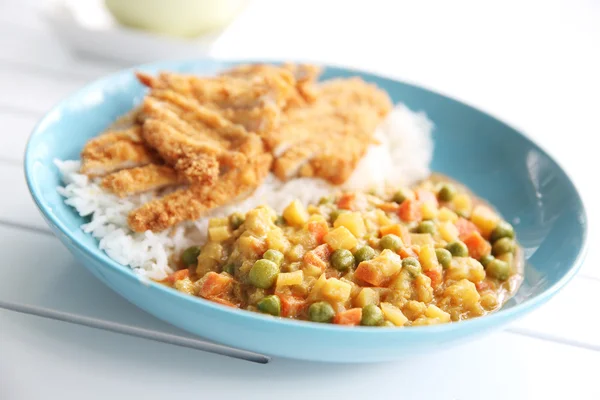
[{"x": 115, "y": 327}]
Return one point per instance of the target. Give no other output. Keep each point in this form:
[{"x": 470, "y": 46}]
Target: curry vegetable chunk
[{"x": 428, "y": 255}]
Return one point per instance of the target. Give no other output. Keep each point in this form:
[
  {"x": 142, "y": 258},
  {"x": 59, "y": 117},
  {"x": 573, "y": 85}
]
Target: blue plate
[{"x": 493, "y": 159}]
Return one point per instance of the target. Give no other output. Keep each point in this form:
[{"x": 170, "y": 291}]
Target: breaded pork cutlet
[
  {"x": 305, "y": 76},
  {"x": 194, "y": 201},
  {"x": 255, "y": 102},
  {"x": 328, "y": 137}
]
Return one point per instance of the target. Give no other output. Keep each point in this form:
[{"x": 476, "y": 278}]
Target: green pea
[
  {"x": 426, "y": 227},
  {"x": 342, "y": 259},
  {"x": 412, "y": 265},
  {"x": 270, "y": 305},
  {"x": 190, "y": 255},
  {"x": 321, "y": 312},
  {"x": 263, "y": 273},
  {"x": 446, "y": 192},
  {"x": 444, "y": 257},
  {"x": 504, "y": 245},
  {"x": 391, "y": 242},
  {"x": 400, "y": 196},
  {"x": 498, "y": 269},
  {"x": 229, "y": 268},
  {"x": 502, "y": 230},
  {"x": 365, "y": 253},
  {"x": 236, "y": 220},
  {"x": 280, "y": 221},
  {"x": 458, "y": 249},
  {"x": 371, "y": 315},
  {"x": 485, "y": 260},
  {"x": 325, "y": 200},
  {"x": 335, "y": 214},
  {"x": 274, "y": 255}
]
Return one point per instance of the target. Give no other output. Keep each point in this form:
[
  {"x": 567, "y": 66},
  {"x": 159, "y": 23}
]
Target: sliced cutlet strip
[
  {"x": 141, "y": 179},
  {"x": 193, "y": 202},
  {"x": 115, "y": 150}
]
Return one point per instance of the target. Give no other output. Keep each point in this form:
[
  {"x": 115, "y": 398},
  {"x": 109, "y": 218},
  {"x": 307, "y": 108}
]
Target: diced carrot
[
  {"x": 370, "y": 274},
  {"x": 349, "y": 317},
  {"x": 347, "y": 201},
  {"x": 478, "y": 246},
  {"x": 389, "y": 207},
  {"x": 465, "y": 227},
  {"x": 318, "y": 229},
  {"x": 291, "y": 306},
  {"x": 410, "y": 210},
  {"x": 425, "y": 196},
  {"x": 223, "y": 301},
  {"x": 178, "y": 275},
  {"x": 412, "y": 251},
  {"x": 318, "y": 256},
  {"x": 394, "y": 229},
  {"x": 213, "y": 284},
  {"x": 435, "y": 276}
]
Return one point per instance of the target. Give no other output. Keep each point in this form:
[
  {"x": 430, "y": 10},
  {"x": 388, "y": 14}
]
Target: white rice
[{"x": 402, "y": 158}]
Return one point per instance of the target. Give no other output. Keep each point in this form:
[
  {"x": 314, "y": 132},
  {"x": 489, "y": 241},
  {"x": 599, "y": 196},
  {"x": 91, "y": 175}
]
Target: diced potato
[
  {"x": 295, "y": 214},
  {"x": 365, "y": 297},
  {"x": 209, "y": 258},
  {"x": 429, "y": 210},
  {"x": 423, "y": 288},
  {"x": 259, "y": 221},
  {"x": 185, "y": 285},
  {"x": 421, "y": 239},
  {"x": 340, "y": 238},
  {"x": 448, "y": 231},
  {"x": 336, "y": 290},
  {"x": 414, "y": 309},
  {"x": 445, "y": 214},
  {"x": 382, "y": 218},
  {"x": 428, "y": 259},
  {"x": 434, "y": 311},
  {"x": 251, "y": 246},
  {"x": 380, "y": 269},
  {"x": 312, "y": 270},
  {"x": 424, "y": 321},
  {"x": 295, "y": 253},
  {"x": 353, "y": 221},
  {"x": 463, "y": 293},
  {"x": 316, "y": 293},
  {"x": 276, "y": 240},
  {"x": 489, "y": 301},
  {"x": 393, "y": 314},
  {"x": 485, "y": 219},
  {"x": 465, "y": 268},
  {"x": 462, "y": 203},
  {"x": 313, "y": 209},
  {"x": 289, "y": 278},
  {"x": 219, "y": 233},
  {"x": 402, "y": 284},
  {"x": 215, "y": 222}
]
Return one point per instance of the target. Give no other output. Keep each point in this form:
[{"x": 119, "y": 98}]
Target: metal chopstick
[{"x": 182, "y": 341}]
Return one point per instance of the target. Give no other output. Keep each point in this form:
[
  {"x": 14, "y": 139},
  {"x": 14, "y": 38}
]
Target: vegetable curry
[{"x": 427, "y": 255}]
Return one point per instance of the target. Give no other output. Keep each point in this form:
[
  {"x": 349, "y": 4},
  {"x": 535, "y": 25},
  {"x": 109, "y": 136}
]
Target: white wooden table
[{"x": 536, "y": 65}]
